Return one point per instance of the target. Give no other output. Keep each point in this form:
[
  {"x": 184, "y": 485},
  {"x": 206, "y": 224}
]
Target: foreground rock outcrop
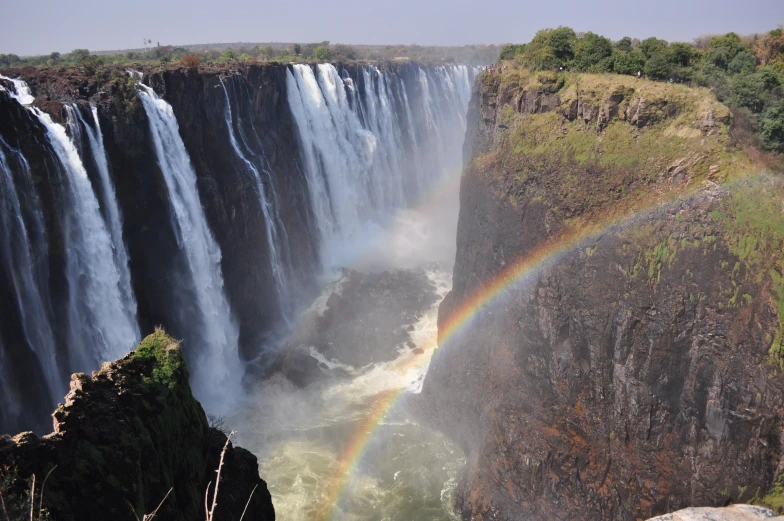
[
  {"x": 632, "y": 364},
  {"x": 126, "y": 436}
]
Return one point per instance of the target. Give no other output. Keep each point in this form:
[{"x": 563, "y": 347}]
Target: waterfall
[
  {"x": 213, "y": 351},
  {"x": 275, "y": 232},
  {"x": 372, "y": 144},
  {"x": 110, "y": 208},
  {"x": 100, "y": 326},
  {"x": 18, "y": 255}
]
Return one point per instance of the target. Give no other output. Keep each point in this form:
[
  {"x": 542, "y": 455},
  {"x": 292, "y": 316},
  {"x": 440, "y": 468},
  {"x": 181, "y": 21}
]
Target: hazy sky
[{"x": 41, "y": 26}]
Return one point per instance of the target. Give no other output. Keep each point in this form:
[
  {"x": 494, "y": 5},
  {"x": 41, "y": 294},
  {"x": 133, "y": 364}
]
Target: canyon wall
[{"x": 611, "y": 348}]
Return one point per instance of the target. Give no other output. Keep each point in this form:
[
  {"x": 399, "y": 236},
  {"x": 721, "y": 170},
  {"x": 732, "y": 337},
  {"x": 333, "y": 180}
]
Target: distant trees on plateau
[{"x": 746, "y": 73}]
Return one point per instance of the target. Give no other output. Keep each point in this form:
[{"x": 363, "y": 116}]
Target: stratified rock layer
[
  {"x": 127, "y": 435},
  {"x": 637, "y": 370}
]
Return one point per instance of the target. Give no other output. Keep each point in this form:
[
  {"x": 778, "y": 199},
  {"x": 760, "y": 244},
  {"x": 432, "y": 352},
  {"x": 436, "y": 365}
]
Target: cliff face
[
  {"x": 123, "y": 438},
  {"x": 637, "y": 369}
]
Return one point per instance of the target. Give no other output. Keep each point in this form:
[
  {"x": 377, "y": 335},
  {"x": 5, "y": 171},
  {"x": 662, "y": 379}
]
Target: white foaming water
[
  {"x": 17, "y": 254},
  {"x": 271, "y": 220},
  {"x": 111, "y": 209},
  {"x": 406, "y": 472},
  {"x": 214, "y": 362},
  {"x": 100, "y": 327},
  {"x": 367, "y": 151}
]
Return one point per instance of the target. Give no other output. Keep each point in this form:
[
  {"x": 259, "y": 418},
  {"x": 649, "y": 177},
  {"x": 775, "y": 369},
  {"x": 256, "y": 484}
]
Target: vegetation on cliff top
[
  {"x": 747, "y": 73},
  {"x": 193, "y": 55}
]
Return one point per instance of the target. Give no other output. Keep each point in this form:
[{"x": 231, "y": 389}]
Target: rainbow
[{"x": 541, "y": 256}]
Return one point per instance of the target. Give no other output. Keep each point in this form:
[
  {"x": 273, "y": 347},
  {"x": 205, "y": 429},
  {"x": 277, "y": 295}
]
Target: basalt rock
[
  {"x": 123, "y": 438},
  {"x": 631, "y": 367}
]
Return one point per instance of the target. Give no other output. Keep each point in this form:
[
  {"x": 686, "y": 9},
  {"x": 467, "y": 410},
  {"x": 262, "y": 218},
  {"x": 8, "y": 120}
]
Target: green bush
[
  {"x": 771, "y": 127},
  {"x": 749, "y": 91}
]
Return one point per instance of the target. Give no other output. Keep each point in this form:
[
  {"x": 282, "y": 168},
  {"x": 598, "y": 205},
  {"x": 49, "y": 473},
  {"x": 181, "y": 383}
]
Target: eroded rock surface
[{"x": 124, "y": 437}]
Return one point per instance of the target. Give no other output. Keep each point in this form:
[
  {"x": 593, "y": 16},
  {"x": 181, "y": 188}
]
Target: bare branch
[
  {"x": 217, "y": 480},
  {"x": 41, "y": 500},
  {"x": 133, "y": 510},
  {"x": 206, "y": 501},
  {"x": 32, "y": 498},
  {"x": 2, "y": 500},
  {"x": 248, "y": 503},
  {"x": 149, "y": 517}
]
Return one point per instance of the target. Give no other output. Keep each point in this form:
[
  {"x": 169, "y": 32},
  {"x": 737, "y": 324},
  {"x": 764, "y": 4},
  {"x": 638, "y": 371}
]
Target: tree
[
  {"x": 624, "y": 44},
  {"x": 341, "y": 52},
  {"x": 322, "y": 53},
  {"x": 508, "y": 51},
  {"x": 658, "y": 66},
  {"x": 190, "y": 61},
  {"x": 550, "y": 49},
  {"x": 55, "y": 56},
  {"x": 651, "y": 46},
  {"x": 629, "y": 62},
  {"x": 749, "y": 91},
  {"x": 771, "y": 125},
  {"x": 743, "y": 63},
  {"x": 79, "y": 55},
  {"x": 266, "y": 52},
  {"x": 297, "y": 49},
  {"x": 679, "y": 53},
  {"x": 228, "y": 55},
  {"x": 590, "y": 50}
]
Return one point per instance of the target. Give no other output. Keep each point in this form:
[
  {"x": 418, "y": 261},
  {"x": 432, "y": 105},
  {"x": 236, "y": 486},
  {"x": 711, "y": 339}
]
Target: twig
[
  {"x": 206, "y": 501},
  {"x": 217, "y": 480},
  {"x": 2, "y": 500},
  {"x": 248, "y": 503},
  {"x": 32, "y": 498},
  {"x": 133, "y": 510},
  {"x": 41, "y": 501},
  {"x": 149, "y": 517}
]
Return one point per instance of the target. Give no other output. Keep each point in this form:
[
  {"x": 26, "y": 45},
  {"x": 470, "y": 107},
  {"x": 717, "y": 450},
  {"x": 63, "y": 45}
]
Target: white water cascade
[
  {"x": 214, "y": 362},
  {"x": 18, "y": 253},
  {"x": 100, "y": 325},
  {"x": 109, "y": 206},
  {"x": 375, "y": 143}
]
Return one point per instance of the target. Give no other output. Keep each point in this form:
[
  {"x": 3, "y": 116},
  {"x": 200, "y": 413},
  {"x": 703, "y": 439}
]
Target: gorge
[{"x": 607, "y": 345}]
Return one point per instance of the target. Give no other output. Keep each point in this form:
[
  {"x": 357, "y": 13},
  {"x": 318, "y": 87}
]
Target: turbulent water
[
  {"x": 405, "y": 472},
  {"x": 213, "y": 352},
  {"x": 382, "y": 158}
]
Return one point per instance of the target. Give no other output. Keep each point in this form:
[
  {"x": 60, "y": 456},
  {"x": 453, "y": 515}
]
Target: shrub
[
  {"x": 508, "y": 51},
  {"x": 190, "y": 61},
  {"x": 771, "y": 126},
  {"x": 228, "y": 56}
]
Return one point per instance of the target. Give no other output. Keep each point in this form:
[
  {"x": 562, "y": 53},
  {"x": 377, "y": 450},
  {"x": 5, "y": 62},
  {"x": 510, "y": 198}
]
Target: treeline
[
  {"x": 295, "y": 52},
  {"x": 746, "y": 73}
]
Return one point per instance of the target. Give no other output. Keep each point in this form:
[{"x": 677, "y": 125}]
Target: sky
[{"x": 42, "y": 26}]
